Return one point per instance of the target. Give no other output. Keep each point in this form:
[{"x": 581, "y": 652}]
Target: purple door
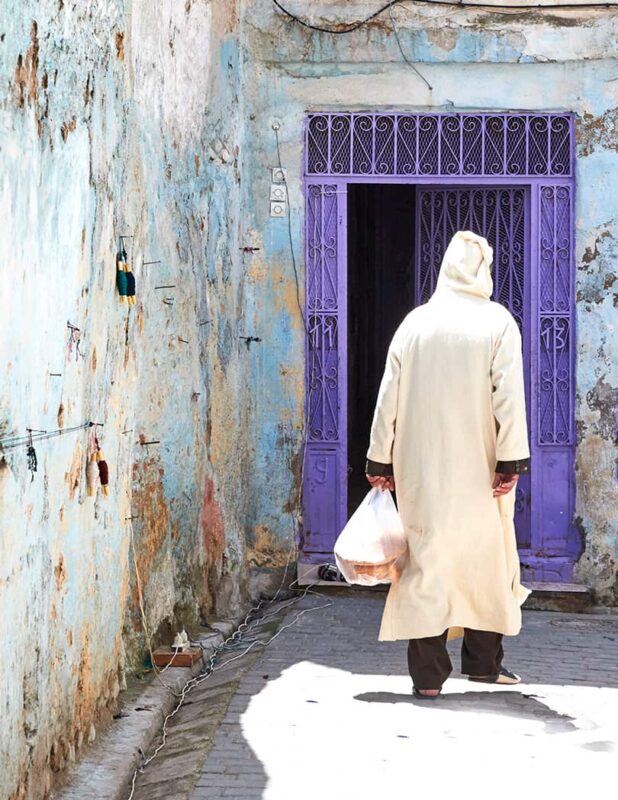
[{"x": 509, "y": 177}]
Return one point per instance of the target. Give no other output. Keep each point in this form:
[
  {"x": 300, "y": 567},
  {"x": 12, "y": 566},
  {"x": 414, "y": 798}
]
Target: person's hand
[
  {"x": 503, "y": 483},
  {"x": 382, "y": 482}
]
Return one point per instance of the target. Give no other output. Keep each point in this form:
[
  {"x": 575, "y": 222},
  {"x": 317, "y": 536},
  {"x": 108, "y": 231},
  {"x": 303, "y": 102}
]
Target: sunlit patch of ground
[{"x": 324, "y": 732}]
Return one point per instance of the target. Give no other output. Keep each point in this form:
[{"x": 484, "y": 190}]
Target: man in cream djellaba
[{"x": 449, "y": 434}]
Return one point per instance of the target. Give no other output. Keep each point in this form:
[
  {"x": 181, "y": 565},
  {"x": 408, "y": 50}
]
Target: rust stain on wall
[
  {"x": 26, "y": 71},
  {"x": 211, "y": 526},
  {"x": 60, "y": 573},
  {"x": 85, "y": 700},
  {"x": 67, "y": 127},
  {"x": 149, "y": 506},
  {"x": 267, "y": 550},
  {"x": 292, "y": 505},
  {"x": 120, "y": 45}
]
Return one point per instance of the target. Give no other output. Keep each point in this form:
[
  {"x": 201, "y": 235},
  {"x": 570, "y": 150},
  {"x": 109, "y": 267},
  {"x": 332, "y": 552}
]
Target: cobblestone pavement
[{"x": 326, "y": 711}]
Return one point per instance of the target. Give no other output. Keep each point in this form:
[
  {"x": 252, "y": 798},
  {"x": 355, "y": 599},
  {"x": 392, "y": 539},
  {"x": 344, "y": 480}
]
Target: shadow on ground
[{"x": 507, "y": 704}]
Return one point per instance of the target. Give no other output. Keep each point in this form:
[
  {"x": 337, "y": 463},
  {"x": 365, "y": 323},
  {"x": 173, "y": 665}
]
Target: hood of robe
[{"x": 466, "y": 266}]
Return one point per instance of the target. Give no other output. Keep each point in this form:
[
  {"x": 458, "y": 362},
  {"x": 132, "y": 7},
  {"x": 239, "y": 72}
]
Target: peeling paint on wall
[{"x": 597, "y": 132}]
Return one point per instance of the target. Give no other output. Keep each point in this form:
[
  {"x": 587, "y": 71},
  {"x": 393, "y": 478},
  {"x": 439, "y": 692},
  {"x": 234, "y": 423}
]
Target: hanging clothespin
[
  {"x": 31, "y": 455},
  {"x": 74, "y": 341}
]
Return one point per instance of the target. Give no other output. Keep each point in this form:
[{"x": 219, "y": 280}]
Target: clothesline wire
[
  {"x": 10, "y": 442},
  {"x": 354, "y": 26}
]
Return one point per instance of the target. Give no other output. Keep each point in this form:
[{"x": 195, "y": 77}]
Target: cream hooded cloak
[{"x": 451, "y": 405}]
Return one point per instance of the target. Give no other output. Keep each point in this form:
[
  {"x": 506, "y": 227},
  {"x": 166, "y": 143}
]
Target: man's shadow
[{"x": 506, "y": 703}]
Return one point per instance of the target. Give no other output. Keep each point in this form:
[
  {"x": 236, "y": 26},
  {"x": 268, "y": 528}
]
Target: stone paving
[{"x": 326, "y": 711}]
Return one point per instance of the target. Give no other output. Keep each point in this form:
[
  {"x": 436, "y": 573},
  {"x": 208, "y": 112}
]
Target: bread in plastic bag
[{"x": 372, "y": 547}]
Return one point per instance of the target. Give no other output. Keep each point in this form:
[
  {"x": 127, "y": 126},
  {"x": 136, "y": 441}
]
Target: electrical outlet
[
  {"x": 279, "y": 175},
  {"x": 277, "y": 192},
  {"x": 277, "y": 209}
]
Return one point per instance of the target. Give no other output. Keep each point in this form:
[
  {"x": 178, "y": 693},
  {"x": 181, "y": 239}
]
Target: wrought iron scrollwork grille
[{"x": 441, "y": 145}]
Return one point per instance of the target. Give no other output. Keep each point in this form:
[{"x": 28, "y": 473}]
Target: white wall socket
[
  {"x": 279, "y": 174},
  {"x": 277, "y": 192},
  {"x": 277, "y": 209}
]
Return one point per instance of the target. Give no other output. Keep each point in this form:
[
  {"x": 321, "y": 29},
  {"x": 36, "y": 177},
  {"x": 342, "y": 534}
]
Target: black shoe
[{"x": 505, "y": 676}]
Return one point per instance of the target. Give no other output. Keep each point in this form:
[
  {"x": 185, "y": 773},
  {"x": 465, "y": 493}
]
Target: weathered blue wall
[
  {"x": 117, "y": 118},
  {"x": 474, "y": 60}
]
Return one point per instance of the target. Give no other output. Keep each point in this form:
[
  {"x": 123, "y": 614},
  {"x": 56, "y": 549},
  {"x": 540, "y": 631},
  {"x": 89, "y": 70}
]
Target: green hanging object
[{"x": 121, "y": 274}]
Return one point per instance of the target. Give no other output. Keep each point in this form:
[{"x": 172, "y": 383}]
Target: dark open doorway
[{"x": 381, "y": 248}]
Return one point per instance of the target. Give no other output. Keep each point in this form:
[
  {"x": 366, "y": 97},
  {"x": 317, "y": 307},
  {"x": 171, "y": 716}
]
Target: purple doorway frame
[{"x": 468, "y": 150}]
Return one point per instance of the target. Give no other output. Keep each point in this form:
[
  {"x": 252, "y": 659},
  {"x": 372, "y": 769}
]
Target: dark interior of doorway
[{"x": 381, "y": 244}]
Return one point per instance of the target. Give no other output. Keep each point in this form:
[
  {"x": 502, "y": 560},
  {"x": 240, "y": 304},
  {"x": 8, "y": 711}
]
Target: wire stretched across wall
[
  {"x": 34, "y": 436},
  {"x": 342, "y": 29}
]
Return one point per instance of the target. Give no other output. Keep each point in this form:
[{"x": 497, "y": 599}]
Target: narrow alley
[{"x": 326, "y": 711}]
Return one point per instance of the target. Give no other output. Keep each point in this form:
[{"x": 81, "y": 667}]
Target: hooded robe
[{"x": 451, "y": 406}]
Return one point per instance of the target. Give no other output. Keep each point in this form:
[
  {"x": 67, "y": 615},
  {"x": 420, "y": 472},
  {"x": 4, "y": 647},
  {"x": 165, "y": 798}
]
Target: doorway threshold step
[
  {"x": 307, "y": 575},
  {"x": 572, "y": 597}
]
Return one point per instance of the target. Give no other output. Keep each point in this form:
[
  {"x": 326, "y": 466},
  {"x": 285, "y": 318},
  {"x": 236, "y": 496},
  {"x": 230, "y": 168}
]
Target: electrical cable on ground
[
  {"x": 210, "y": 668},
  {"x": 354, "y": 26}
]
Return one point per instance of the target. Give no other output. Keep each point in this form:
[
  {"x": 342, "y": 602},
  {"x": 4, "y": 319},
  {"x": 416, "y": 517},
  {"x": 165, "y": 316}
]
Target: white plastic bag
[{"x": 372, "y": 546}]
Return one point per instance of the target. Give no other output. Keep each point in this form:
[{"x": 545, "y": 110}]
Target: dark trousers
[{"x": 430, "y": 665}]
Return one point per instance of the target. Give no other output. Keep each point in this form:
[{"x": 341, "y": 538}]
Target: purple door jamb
[
  {"x": 325, "y": 469},
  {"x": 531, "y": 150}
]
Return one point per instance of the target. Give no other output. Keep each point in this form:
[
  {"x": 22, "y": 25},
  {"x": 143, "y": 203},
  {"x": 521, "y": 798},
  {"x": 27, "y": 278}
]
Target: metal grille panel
[
  {"x": 555, "y": 340},
  {"x": 499, "y": 214},
  {"x": 322, "y": 306},
  {"x": 444, "y": 145}
]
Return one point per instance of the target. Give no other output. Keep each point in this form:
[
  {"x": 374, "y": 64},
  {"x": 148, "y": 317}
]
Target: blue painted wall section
[{"x": 117, "y": 118}]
